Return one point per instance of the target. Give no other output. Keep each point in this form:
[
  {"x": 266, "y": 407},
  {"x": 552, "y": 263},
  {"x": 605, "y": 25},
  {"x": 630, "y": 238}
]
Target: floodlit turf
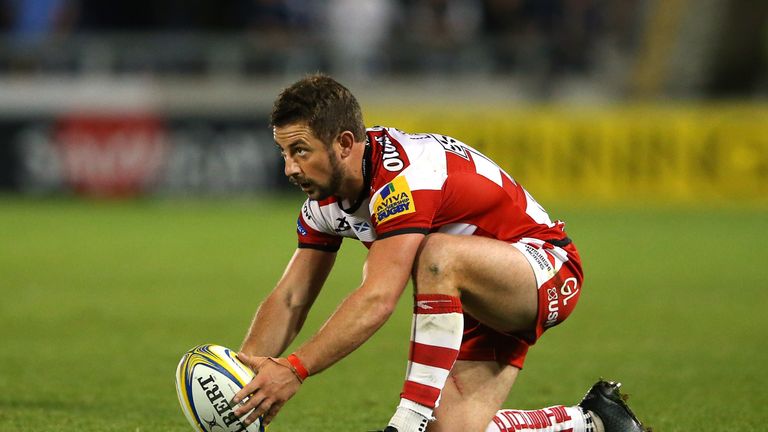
[{"x": 100, "y": 300}]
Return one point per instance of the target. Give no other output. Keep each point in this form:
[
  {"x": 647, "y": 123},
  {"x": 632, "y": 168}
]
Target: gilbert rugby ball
[{"x": 207, "y": 378}]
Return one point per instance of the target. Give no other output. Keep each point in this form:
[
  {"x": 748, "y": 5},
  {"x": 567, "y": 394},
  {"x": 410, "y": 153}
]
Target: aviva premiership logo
[{"x": 394, "y": 200}]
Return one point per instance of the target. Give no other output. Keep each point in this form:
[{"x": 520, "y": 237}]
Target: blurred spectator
[
  {"x": 30, "y": 21},
  {"x": 281, "y": 16},
  {"x": 356, "y": 31},
  {"x": 740, "y": 66},
  {"x": 541, "y": 36},
  {"x": 120, "y": 15},
  {"x": 436, "y": 36},
  {"x": 504, "y": 23},
  {"x": 575, "y": 30},
  {"x": 443, "y": 22},
  {"x": 282, "y": 36},
  {"x": 30, "y": 27},
  {"x": 538, "y": 42},
  {"x": 161, "y": 15}
]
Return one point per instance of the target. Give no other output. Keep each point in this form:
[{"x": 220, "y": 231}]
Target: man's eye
[{"x": 301, "y": 152}]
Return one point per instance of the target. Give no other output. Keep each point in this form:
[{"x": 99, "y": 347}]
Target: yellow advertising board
[{"x": 619, "y": 154}]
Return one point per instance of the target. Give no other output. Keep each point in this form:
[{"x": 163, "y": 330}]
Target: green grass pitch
[{"x": 98, "y": 302}]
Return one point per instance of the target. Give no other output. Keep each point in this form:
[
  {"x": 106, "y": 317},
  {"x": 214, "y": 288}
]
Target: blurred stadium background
[{"x": 140, "y": 191}]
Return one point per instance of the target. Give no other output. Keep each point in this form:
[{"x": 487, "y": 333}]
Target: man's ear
[{"x": 346, "y": 143}]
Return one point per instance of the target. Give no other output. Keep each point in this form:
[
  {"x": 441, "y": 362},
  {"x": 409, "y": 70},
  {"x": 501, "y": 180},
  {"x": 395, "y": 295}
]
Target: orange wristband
[{"x": 298, "y": 368}]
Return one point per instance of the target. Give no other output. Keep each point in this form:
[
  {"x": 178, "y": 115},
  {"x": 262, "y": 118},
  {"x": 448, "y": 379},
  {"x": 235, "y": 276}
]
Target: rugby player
[{"x": 491, "y": 272}]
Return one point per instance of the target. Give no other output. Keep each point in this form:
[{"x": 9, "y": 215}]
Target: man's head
[
  {"x": 316, "y": 122},
  {"x": 326, "y": 106}
]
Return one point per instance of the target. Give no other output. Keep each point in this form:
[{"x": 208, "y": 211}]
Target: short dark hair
[{"x": 326, "y": 106}]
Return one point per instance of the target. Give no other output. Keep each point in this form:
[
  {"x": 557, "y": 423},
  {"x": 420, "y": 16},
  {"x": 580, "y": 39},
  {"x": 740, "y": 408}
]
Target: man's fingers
[
  {"x": 266, "y": 393},
  {"x": 251, "y": 387},
  {"x": 254, "y": 363},
  {"x": 252, "y": 403},
  {"x": 252, "y": 417},
  {"x": 245, "y": 358},
  {"x": 273, "y": 410}
]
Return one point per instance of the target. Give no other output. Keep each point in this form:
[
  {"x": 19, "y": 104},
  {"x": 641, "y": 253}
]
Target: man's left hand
[{"x": 274, "y": 383}]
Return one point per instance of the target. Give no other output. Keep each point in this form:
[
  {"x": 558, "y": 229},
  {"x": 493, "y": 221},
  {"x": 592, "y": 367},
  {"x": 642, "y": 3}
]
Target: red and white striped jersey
[{"x": 422, "y": 183}]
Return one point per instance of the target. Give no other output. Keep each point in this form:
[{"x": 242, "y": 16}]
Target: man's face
[{"x": 309, "y": 164}]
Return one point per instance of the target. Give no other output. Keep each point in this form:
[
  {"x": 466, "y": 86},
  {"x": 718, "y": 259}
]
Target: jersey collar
[{"x": 366, "y": 170}]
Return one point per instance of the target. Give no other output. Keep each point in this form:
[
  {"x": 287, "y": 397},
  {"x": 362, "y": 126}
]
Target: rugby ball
[{"x": 207, "y": 378}]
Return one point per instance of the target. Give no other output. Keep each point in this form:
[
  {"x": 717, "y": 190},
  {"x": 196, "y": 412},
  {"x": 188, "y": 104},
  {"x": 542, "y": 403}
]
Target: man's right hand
[{"x": 271, "y": 387}]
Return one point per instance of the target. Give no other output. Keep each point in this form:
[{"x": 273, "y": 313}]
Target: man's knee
[{"x": 436, "y": 262}]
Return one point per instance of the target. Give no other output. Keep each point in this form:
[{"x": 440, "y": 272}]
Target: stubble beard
[{"x": 324, "y": 191}]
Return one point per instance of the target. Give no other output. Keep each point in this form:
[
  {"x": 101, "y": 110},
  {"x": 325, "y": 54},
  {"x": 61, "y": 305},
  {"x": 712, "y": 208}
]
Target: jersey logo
[
  {"x": 394, "y": 200},
  {"x": 391, "y": 157},
  {"x": 451, "y": 145},
  {"x": 300, "y": 228},
  {"x": 305, "y": 210},
  {"x": 362, "y": 227},
  {"x": 343, "y": 224}
]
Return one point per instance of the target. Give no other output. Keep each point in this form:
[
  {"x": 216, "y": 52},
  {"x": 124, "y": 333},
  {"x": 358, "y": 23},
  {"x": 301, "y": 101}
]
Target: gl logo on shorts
[{"x": 569, "y": 289}]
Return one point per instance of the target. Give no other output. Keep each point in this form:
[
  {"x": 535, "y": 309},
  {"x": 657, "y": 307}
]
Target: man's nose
[{"x": 291, "y": 167}]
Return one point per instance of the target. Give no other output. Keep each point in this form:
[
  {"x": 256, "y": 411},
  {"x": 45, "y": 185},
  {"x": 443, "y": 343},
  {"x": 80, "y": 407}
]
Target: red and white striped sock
[
  {"x": 437, "y": 329},
  {"x": 553, "y": 419}
]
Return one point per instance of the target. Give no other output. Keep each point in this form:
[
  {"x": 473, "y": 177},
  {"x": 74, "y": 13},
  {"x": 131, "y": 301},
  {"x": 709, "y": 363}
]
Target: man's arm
[
  {"x": 385, "y": 275},
  {"x": 282, "y": 314},
  {"x": 365, "y": 310}
]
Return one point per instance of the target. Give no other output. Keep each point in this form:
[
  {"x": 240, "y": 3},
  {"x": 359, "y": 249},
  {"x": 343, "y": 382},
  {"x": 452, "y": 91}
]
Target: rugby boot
[
  {"x": 605, "y": 400},
  {"x": 422, "y": 427},
  {"x": 394, "y": 429},
  {"x": 407, "y": 421}
]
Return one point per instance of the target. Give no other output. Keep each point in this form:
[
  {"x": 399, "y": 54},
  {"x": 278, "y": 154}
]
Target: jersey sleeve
[
  {"x": 313, "y": 231},
  {"x": 396, "y": 209}
]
